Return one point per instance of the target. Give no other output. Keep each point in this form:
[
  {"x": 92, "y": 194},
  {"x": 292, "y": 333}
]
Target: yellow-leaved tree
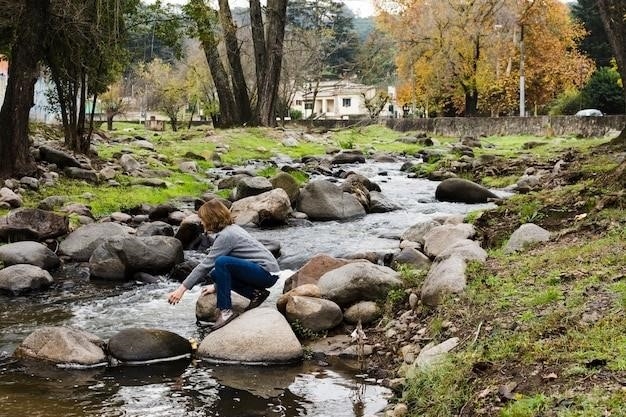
[{"x": 468, "y": 56}]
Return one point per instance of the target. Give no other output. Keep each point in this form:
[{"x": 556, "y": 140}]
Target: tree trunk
[
  {"x": 276, "y": 18},
  {"x": 240, "y": 89},
  {"x": 174, "y": 123},
  {"x": 612, "y": 13},
  {"x": 110, "y": 116},
  {"x": 15, "y": 158},
  {"x": 258, "y": 40},
  {"x": 229, "y": 115},
  {"x": 471, "y": 103}
]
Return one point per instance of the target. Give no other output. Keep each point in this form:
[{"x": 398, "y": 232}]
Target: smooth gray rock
[
  {"x": 288, "y": 183},
  {"x": 80, "y": 244},
  {"x": 156, "y": 228},
  {"x": 417, "y": 232},
  {"x": 129, "y": 164},
  {"x": 258, "y": 336},
  {"x": 323, "y": 200},
  {"x": 445, "y": 277},
  {"x": 365, "y": 312},
  {"x": 28, "y": 252},
  {"x": 458, "y": 190},
  {"x": 412, "y": 257},
  {"x": 206, "y": 306},
  {"x": 381, "y": 204},
  {"x": 9, "y": 197},
  {"x": 63, "y": 345},
  {"x": 358, "y": 281},
  {"x": 57, "y": 157},
  {"x": 444, "y": 236},
  {"x": 143, "y": 345},
  {"x": 526, "y": 234},
  {"x": 251, "y": 186},
  {"x": 16, "y": 279},
  {"x": 119, "y": 258},
  {"x": 466, "y": 249},
  {"x": 272, "y": 207},
  {"x": 315, "y": 314}
]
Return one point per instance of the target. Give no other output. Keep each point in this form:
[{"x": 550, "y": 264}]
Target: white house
[{"x": 339, "y": 99}]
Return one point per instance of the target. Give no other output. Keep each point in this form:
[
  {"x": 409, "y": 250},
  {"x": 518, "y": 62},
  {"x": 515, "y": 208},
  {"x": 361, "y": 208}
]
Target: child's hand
[
  {"x": 175, "y": 296},
  {"x": 209, "y": 289}
]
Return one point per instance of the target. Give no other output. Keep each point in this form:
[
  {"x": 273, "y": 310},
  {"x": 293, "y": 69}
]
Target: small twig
[{"x": 477, "y": 332}]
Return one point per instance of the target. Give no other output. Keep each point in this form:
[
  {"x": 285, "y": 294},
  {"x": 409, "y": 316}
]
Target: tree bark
[
  {"x": 258, "y": 41},
  {"x": 612, "y": 13},
  {"x": 240, "y": 89},
  {"x": 26, "y": 52},
  {"x": 276, "y": 18},
  {"x": 229, "y": 115}
]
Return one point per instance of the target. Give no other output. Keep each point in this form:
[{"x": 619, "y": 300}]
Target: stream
[{"x": 194, "y": 387}]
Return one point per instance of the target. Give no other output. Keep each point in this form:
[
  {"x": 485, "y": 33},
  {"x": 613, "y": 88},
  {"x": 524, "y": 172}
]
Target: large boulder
[
  {"x": 251, "y": 186},
  {"x": 156, "y": 228},
  {"x": 272, "y": 207},
  {"x": 258, "y": 336},
  {"x": 57, "y": 157},
  {"x": 323, "y": 200},
  {"x": 63, "y": 345},
  {"x": 445, "y": 277},
  {"x": 118, "y": 258},
  {"x": 358, "y": 281},
  {"x": 315, "y": 314},
  {"x": 129, "y": 164},
  {"x": 80, "y": 244},
  {"x": 527, "y": 234},
  {"x": 311, "y": 272},
  {"x": 458, "y": 190},
  {"x": 418, "y": 231},
  {"x": 20, "y": 278},
  {"x": 442, "y": 237},
  {"x": 28, "y": 252},
  {"x": 143, "y": 345},
  {"x": 32, "y": 224},
  {"x": 349, "y": 157},
  {"x": 288, "y": 183},
  {"x": 381, "y": 204},
  {"x": 189, "y": 231}
]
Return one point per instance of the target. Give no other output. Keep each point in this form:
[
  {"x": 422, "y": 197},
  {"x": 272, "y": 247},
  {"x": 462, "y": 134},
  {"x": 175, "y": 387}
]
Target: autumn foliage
[{"x": 464, "y": 56}]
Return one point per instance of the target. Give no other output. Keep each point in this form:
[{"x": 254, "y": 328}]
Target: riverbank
[{"x": 539, "y": 330}]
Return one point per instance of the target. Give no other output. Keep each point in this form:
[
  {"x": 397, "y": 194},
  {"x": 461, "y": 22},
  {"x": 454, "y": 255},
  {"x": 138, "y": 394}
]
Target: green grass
[{"x": 104, "y": 199}]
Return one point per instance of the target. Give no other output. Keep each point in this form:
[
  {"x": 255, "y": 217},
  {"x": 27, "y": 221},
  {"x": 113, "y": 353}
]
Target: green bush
[{"x": 295, "y": 114}]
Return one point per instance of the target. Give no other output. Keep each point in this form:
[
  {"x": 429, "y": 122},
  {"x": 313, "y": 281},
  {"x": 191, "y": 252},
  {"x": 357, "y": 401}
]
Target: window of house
[
  {"x": 298, "y": 102},
  {"x": 308, "y": 105},
  {"x": 347, "y": 102}
]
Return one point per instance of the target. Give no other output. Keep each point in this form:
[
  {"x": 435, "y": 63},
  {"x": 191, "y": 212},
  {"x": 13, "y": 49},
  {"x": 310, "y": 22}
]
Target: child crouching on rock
[{"x": 236, "y": 261}]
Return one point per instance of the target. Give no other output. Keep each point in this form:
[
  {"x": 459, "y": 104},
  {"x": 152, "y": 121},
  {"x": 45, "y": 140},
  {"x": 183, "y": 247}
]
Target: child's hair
[{"x": 215, "y": 215}]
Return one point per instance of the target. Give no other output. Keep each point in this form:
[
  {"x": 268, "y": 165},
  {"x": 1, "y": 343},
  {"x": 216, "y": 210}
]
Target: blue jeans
[{"x": 238, "y": 275}]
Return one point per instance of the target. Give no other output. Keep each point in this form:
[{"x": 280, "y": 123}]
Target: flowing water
[{"x": 196, "y": 388}]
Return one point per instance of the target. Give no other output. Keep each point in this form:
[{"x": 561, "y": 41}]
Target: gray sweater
[{"x": 233, "y": 241}]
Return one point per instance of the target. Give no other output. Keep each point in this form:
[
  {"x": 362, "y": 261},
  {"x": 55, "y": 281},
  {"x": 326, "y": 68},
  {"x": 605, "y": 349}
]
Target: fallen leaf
[{"x": 550, "y": 376}]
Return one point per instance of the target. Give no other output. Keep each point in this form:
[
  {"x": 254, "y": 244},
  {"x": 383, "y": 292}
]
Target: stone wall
[
  {"x": 498, "y": 126},
  {"x": 492, "y": 126}
]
